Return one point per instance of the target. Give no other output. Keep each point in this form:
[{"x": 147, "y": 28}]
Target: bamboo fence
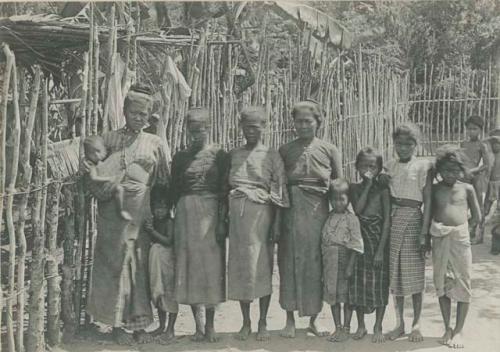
[{"x": 363, "y": 101}]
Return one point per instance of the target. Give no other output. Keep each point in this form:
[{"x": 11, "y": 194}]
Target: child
[
  {"x": 341, "y": 239},
  {"x": 451, "y": 252},
  {"x": 162, "y": 268},
  {"x": 410, "y": 185},
  {"x": 369, "y": 289},
  {"x": 475, "y": 151},
  {"x": 95, "y": 152},
  {"x": 493, "y": 192}
]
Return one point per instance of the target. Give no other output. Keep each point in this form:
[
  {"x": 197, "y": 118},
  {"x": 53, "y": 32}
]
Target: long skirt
[
  {"x": 200, "y": 268},
  {"x": 250, "y": 263},
  {"x": 299, "y": 252},
  {"x": 369, "y": 285},
  {"x": 407, "y": 265},
  {"x": 162, "y": 278},
  {"x": 119, "y": 291},
  {"x": 335, "y": 282}
]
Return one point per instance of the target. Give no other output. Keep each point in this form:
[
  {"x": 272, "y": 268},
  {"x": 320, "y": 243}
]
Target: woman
[
  {"x": 199, "y": 195},
  {"x": 119, "y": 293},
  {"x": 310, "y": 164},
  {"x": 258, "y": 190}
]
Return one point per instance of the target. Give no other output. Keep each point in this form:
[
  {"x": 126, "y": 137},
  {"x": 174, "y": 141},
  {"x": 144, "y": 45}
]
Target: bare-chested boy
[
  {"x": 475, "y": 151},
  {"x": 451, "y": 251},
  {"x": 493, "y": 192}
]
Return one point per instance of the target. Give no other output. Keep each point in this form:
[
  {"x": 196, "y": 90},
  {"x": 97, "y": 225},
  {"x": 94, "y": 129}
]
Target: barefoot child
[
  {"x": 95, "y": 152},
  {"x": 369, "y": 289},
  {"x": 341, "y": 239},
  {"x": 410, "y": 186},
  {"x": 475, "y": 151},
  {"x": 451, "y": 252},
  {"x": 162, "y": 268},
  {"x": 493, "y": 192}
]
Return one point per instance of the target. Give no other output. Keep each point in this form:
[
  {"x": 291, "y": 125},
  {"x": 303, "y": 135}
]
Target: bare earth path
[{"x": 482, "y": 326}]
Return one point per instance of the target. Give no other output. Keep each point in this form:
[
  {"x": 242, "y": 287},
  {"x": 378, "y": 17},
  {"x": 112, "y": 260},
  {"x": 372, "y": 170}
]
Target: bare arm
[
  {"x": 96, "y": 178},
  {"x": 359, "y": 203},
  {"x": 336, "y": 160},
  {"x": 427, "y": 207},
  {"x": 155, "y": 235},
  {"x": 486, "y": 161},
  {"x": 386, "y": 226},
  {"x": 473, "y": 205}
]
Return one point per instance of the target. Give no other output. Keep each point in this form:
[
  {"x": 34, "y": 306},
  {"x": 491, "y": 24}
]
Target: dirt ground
[{"x": 482, "y": 325}]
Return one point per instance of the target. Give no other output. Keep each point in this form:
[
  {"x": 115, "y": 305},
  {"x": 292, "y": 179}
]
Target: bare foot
[
  {"x": 262, "y": 333},
  {"x": 315, "y": 330},
  {"x": 166, "y": 338},
  {"x": 415, "y": 336},
  {"x": 396, "y": 333},
  {"x": 360, "y": 333},
  {"x": 288, "y": 331},
  {"x": 445, "y": 339},
  {"x": 125, "y": 215},
  {"x": 378, "y": 337},
  {"x": 198, "y": 336},
  {"x": 122, "y": 338},
  {"x": 457, "y": 341},
  {"x": 210, "y": 335},
  {"x": 142, "y": 337},
  {"x": 340, "y": 335},
  {"x": 244, "y": 332}
]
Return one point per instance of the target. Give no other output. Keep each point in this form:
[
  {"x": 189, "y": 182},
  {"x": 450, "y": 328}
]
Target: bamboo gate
[{"x": 48, "y": 243}]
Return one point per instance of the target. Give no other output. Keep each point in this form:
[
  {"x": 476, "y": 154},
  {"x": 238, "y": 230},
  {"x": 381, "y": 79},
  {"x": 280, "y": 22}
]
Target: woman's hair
[
  {"x": 449, "y": 154},
  {"x": 93, "y": 142},
  {"x": 309, "y": 106},
  {"x": 407, "y": 129},
  {"x": 198, "y": 114},
  {"x": 140, "y": 89},
  {"x": 339, "y": 186},
  {"x": 475, "y": 120},
  {"x": 369, "y": 151},
  {"x": 253, "y": 113}
]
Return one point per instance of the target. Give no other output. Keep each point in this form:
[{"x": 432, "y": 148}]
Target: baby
[{"x": 96, "y": 152}]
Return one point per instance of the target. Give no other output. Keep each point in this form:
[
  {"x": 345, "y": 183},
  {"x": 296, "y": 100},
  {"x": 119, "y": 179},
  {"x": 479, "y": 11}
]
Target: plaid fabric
[
  {"x": 138, "y": 323},
  {"x": 407, "y": 266},
  {"x": 369, "y": 287}
]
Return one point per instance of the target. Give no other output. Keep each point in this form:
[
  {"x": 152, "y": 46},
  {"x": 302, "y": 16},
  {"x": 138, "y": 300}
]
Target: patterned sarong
[
  {"x": 452, "y": 261},
  {"x": 369, "y": 287},
  {"x": 407, "y": 265}
]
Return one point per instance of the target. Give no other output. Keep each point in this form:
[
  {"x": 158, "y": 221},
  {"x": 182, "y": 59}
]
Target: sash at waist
[{"x": 406, "y": 203}]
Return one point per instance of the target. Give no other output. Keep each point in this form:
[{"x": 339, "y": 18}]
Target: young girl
[
  {"x": 341, "y": 239},
  {"x": 162, "y": 267},
  {"x": 410, "y": 185},
  {"x": 451, "y": 252},
  {"x": 369, "y": 288}
]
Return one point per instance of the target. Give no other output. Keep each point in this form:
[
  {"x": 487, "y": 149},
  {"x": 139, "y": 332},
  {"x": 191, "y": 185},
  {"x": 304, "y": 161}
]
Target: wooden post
[
  {"x": 24, "y": 186},
  {"x": 36, "y": 341},
  {"x": 497, "y": 68},
  {"x": 53, "y": 281}
]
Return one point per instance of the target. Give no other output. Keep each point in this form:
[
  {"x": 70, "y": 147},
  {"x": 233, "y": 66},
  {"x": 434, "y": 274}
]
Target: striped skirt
[{"x": 407, "y": 265}]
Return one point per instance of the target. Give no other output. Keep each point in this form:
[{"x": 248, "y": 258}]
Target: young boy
[
  {"x": 341, "y": 239},
  {"x": 451, "y": 252},
  {"x": 162, "y": 268},
  {"x": 493, "y": 193},
  {"x": 475, "y": 151},
  {"x": 95, "y": 152}
]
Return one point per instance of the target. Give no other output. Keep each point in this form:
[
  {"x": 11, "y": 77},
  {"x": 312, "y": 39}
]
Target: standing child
[
  {"x": 341, "y": 239},
  {"x": 162, "y": 268},
  {"x": 475, "y": 151},
  {"x": 410, "y": 185},
  {"x": 451, "y": 252},
  {"x": 493, "y": 192},
  {"x": 369, "y": 289}
]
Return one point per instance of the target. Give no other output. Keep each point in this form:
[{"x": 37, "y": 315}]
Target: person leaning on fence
[
  {"x": 119, "y": 293},
  {"x": 199, "y": 193},
  {"x": 451, "y": 250},
  {"x": 257, "y": 181},
  {"x": 410, "y": 185},
  {"x": 310, "y": 163}
]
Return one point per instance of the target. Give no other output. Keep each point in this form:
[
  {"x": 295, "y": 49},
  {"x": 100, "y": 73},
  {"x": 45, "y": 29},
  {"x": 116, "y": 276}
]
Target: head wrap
[
  {"x": 475, "y": 120},
  {"x": 138, "y": 93},
  {"x": 308, "y": 106},
  {"x": 198, "y": 115},
  {"x": 253, "y": 114}
]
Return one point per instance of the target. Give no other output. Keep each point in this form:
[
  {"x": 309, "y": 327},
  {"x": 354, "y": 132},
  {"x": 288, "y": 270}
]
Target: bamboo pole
[
  {"x": 14, "y": 135},
  {"x": 111, "y": 65},
  {"x": 35, "y": 341},
  {"x": 24, "y": 186},
  {"x": 53, "y": 281}
]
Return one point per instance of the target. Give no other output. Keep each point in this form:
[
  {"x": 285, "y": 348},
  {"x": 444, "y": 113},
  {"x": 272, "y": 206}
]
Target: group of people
[{"x": 163, "y": 227}]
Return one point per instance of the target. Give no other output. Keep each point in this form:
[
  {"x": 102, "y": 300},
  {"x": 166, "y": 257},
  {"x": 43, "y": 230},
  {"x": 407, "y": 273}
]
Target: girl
[
  {"x": 310, "y": 163},
  {"x": 258, "y": 190},
  {"x": 369, "y": 290},
  {"x": 198, "y": 192},
  {"x": 410, "y": 185}
]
